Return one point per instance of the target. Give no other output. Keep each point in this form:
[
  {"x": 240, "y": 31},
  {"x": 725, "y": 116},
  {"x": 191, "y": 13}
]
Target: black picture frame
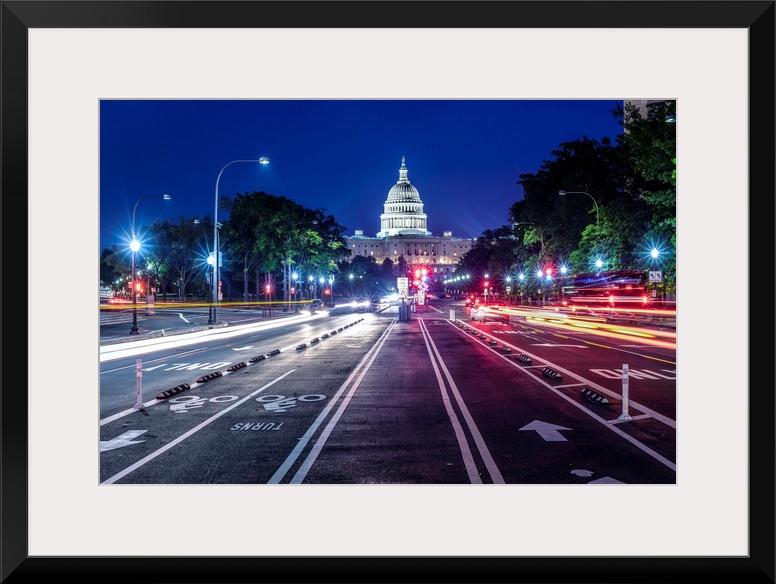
[{"x": 755, "y": 16}]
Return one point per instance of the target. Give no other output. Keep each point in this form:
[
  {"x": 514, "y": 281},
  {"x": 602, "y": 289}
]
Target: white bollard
[
  {"x": 139, "y": 376},
  {"x": 624, "y": 415},
  {"x": 452, "y": 315}
]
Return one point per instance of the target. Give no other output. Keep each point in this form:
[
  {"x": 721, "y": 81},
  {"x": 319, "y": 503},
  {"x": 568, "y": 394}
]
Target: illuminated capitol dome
[
  {"x": 404, "y": 238},
  {"x": 403, "y": 209}
]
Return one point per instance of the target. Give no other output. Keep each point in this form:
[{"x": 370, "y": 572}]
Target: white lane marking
[
  {"x": 490, "y": 464},
  {"x": 194, "y": 430},
  {"x": 302, "y": 444},
  {"x": 164, "y": 360},
  {"x": 125, "y": 439},
  {"x": 606, "y": 481},
  {"x": 658, "y": 416},
  {"x": 463, "y": 445},
  {"x": 596, "y": 417},
  {"x": 554, "y": 345}
]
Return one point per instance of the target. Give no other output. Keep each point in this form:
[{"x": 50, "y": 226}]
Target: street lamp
[
  {"x": 134, "y": 246},
  {"x": 210, "y": 260},
  {"x": 262, "y": 160},
  {"x": 562, "y": 193}
]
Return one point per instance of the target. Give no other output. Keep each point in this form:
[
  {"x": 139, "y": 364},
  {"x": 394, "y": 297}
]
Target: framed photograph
[{"x": 60, "y": 59}]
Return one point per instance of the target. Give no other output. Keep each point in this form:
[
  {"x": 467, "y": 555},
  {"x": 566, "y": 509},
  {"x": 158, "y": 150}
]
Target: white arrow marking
[
  {"x": 606, "y": 481},
  {"x": 241, "y": 348},
  {"x": 121, "y": 441},
  {"x": 546, "y": 430}
]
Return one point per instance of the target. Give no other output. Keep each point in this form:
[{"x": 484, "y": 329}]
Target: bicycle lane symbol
[
  {"x": 181, "y": 404},
  {"x": 280, "y": 403}
]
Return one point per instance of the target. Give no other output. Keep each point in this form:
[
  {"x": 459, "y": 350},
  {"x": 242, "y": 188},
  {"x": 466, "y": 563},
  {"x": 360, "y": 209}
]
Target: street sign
[
  {"x": 655, "y": 276},
  {"x": 403, "y": 285}
]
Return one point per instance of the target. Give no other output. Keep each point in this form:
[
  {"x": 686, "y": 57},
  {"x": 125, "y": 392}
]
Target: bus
[{"x": 608, "y": 289}]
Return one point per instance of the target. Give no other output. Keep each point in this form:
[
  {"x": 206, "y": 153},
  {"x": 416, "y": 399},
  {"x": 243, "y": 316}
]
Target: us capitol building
[{"x": 403, "y": 237}]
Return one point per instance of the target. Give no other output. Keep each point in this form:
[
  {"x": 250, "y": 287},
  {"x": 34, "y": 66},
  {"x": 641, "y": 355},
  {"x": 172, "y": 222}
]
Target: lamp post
[
  {"x": 654, "y": 254},
  {"x": 562, "y": 193},
  {"x": 262, "y": 160},
  {"x": 134, "y": 246},
  {"x": 210, "y": 260}
]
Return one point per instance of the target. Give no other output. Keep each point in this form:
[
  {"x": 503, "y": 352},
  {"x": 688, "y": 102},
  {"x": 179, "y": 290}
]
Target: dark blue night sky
[{"x": 463, "y": 156}]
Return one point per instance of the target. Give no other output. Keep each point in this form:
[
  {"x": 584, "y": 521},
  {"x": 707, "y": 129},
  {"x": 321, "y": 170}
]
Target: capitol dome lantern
[{"x": 403, "y": 210}]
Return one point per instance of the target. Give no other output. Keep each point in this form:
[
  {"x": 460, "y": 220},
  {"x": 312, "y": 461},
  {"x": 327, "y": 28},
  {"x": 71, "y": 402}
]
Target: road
[{"x": 363, "y": 398}]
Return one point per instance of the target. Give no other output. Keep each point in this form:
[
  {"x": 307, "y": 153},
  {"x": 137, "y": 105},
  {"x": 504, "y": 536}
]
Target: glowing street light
[{"x": 134, "y": 246}]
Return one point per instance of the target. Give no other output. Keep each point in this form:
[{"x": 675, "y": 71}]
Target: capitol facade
[{"x": 404, "y": 238}]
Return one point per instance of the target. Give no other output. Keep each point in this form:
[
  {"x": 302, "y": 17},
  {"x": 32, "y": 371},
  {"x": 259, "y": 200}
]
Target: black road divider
[
  {"x": 551, "y": 373},
  {"x": 592, "y": 396},
  {"x": 237, "y": 366},
  {"x": 332, "y": 333},
  {"x": 325, "y": 336},
  {"x": 315, "y": 340},
  {"x": 302, "y": 346},
  {"x": 340, "y": 329},
  {"x": 273, "y": 352},
  {"x": 505, "y": 349},
  {"x": 174, "y": 391},
  {"x": 483, "y": 337},
  {"x": 492, "y": 342},
  {"x": 524, "y": 359},
  {"x": 257, "y": 358},
  {"x": 209, "y": 376}
]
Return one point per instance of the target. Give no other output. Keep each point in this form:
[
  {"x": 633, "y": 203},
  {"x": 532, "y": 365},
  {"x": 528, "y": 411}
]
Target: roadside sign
[
  {"x": 403, "y": 285},
  {"x": 655, "y": 276}
]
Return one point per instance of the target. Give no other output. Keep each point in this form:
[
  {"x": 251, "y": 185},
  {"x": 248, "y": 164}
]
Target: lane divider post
[
  {"x": 624, "y": 415},
  {"x": 139, "y": 383}
]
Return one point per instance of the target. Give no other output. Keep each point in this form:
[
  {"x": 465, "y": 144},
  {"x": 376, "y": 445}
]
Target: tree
[
  {"x": 248, "y": 234},
  {"x": 113, "y": 266},
  {"x": 173, "y": 257},
  {"x": 649, "y": 151}
]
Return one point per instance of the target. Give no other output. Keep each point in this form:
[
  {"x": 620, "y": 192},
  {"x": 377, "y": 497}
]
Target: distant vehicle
[
  {"x": 608, "y": 289},
  {"x": 106, "y": 293},
  {"x": 314, "y": 306},
  {"x": 490, "y": 311}
]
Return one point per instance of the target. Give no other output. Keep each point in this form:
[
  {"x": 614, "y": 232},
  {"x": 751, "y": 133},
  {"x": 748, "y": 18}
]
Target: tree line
[
  {"x": 263, "y": 239},
  {"x": 620, "y": 204}
]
